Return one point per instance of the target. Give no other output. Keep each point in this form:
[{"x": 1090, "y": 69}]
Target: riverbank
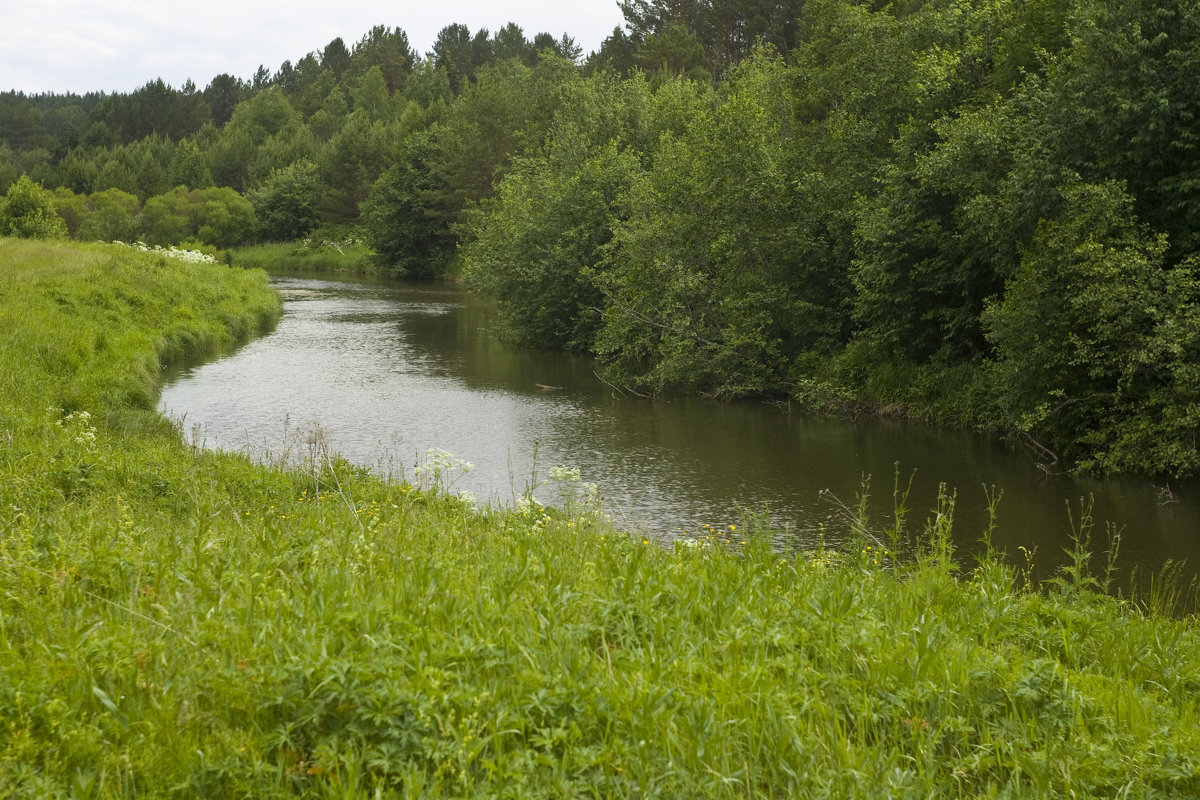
[
  {"x": 177, "y": 622},
  {"x": 344, "y": 254}
]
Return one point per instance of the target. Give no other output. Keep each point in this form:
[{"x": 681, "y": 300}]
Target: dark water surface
[{"x": 390, "y": 371}]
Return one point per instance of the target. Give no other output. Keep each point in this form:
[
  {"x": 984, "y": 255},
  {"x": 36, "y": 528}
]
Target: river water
[{"x": 390, "y": 371}]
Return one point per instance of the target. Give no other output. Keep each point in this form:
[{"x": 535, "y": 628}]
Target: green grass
[
  {"x": 181, "y": 623},
  {"x": 310, "y": 255}
]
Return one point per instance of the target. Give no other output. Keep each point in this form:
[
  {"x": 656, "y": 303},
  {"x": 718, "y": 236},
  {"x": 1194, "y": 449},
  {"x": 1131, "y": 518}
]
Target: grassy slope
[{"x": 180, "y": 623}]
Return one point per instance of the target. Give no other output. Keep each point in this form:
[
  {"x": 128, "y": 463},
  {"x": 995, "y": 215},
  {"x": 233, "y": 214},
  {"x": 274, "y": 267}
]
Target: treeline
[
  {"x": 299, "y": 149},
  {"x": 983, "y": 212},
  {"x": 980, "y": 211}
]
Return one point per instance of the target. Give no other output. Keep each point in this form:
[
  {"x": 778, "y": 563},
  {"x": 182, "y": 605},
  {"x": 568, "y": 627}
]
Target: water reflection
[{"x": 390, "y": 371}]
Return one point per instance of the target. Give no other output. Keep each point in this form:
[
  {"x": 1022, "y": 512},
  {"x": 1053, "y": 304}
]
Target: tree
[
  {"x": 674, "y": 50},
  {"x": 407, "y": 237},
  {"x": 534, "y": 245},
  {"x": 298, "y": 82},
  {"x": 217, "y": 215},
  {"x": 112, "y": 216},
  {"x": 285, "y": 203},
  {"x": 188, "y": 167},
  {"x": 22, "y": 123},
  {"x": 1097, "y": 345},
  {"x": 116, "y": 173},
  {"x": 78, "y": 170},
  {"x": 230, "y": 156},
  {"x": 453, "y": 54},
  {"x": 28, "y": 211},
  {"x": 429, "y": 84},
  {"x": 938, "y": 241},
  {"x": 567, "y": 48},
  {"x": 221, "y": 216},
  {"x": 72, "y": 208},
  {"x": 644, "y": 18},
  {"x": 66, "y": 141},
  {"x": 370, "y": 94},
  {"x": 1121, "y": 102},
  {"x": 283, "y": 148},
  {"x": 265, "y": 114},
  {"x": 165, "y": 219},
  {"x": 330, "y": 117},
  {"x": 222, "y": 94},
  {"x": 98, "y": 135},
  {"x": 510, "y": 43},
  {"x": 725, "y": 30},
  {"x": 350, "y": 163},
  {"x": 703, "y": 290},
  {"x": 154, "y": 108},
  {"x": 390, "y": 51},
  {"x": 315, "y": 94},
  {"x": 336, "y": 58},
  {"x": 617, "y": 53}
]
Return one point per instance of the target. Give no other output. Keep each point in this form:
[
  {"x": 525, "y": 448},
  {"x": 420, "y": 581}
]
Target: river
[{"x": 387, "y": 372}]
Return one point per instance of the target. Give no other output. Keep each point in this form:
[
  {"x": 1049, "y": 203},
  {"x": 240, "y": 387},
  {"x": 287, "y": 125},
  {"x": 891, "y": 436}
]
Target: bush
[{"x": 28, "y": 212}]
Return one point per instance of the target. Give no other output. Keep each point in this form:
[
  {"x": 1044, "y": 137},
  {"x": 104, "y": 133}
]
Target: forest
[{"x": 977, "y": 212}]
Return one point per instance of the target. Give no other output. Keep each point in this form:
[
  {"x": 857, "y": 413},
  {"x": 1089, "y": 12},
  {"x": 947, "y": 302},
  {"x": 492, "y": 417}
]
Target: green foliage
[
  {"x": 936, "y": 242},
  {"x": 265, "y": 114},
  {"x": 1131, "y": 67},
  {"x": 112, "y": 216},
  {"x": 71, "y": 207},
  {"x": 415, "y": 203},
  {"x": 182, "y": 622},
  {"x": 821, "y": 199},
  {"x": 682, "y": 289},
  {"x": 222, "y": 216},
  {"x": 428, "y": 85},
  {"x": 188, "y": 167},
  {"x": 703, "y": 285},
  {"x": 222, "y": 94},
  {"x": 1096, "y": 342},
  {"x": 155, "y": 108},
  {"x": 406, "y": 234},
  {"x": 285, "y": 204},
  {"x": 322, "y": 251},
  {"x": 28, "y": 211},
  {"x": 165, "y": 219},
  {"x": 350, "y": 162},
  {"x": 218, "y": 216},
  {"x": 459, "y": 54},
  {"x": 720, "y": 32},
  {"x": 387, "y": 50},
  {"x": 616, "y": 54},
  {"x": 533, "y": 246},
  {"x": 370, "y": 93},
  {"x": 674, "y": 51}
]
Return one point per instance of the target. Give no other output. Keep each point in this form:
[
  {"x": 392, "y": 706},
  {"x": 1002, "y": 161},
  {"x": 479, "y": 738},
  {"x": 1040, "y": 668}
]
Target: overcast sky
[{"x": 78, "y": 46}]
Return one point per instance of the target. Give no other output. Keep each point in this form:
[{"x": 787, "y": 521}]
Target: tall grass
[
  {"x": 321, "y": 254},
  {"x": 181, "y": 623}
]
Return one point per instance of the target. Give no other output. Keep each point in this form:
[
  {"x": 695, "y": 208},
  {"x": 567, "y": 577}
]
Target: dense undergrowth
[{"x": 181, "y": 623}]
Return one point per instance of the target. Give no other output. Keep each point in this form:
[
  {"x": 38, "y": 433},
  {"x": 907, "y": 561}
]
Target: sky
[{"x": 78, "y": 46}]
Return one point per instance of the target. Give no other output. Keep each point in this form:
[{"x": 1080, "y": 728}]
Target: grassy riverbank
[
  {"x": 180, "y": 623},
  {"x": 310, "y": 255}
]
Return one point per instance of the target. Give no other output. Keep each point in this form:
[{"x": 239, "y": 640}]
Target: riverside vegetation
[
  {"x": 980, "y": 212},
  {"x": 176, "y": 622}
]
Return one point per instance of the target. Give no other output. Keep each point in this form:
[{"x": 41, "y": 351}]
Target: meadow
[{"x": 177, "y": 622}]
